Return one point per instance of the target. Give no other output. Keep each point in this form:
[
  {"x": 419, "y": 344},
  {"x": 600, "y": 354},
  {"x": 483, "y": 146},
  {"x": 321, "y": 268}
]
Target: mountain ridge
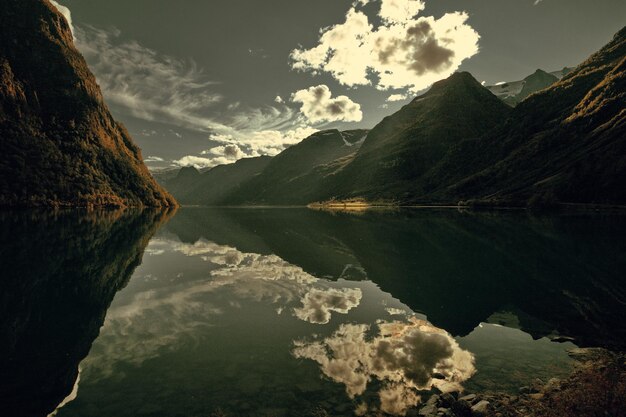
[
  {"x": 460, "y": 144},
  {"x": 548, "y": 152}
]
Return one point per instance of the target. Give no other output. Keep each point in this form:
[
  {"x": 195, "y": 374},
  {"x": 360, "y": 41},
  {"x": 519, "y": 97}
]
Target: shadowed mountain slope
[
  {"x": 294, "y": 176},
  {"x": 211, "y": 187},
  {"x": 59, "y": 145},
  {"x": 563, "y": 144},
  {"x": 406, "y": 145}
]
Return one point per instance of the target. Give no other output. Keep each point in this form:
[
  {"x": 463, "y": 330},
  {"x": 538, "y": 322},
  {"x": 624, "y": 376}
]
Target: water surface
[{"x": 288, "y": 312}]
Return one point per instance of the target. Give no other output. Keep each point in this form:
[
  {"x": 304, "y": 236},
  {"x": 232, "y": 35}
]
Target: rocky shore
[{"x": 597, "y": 387}]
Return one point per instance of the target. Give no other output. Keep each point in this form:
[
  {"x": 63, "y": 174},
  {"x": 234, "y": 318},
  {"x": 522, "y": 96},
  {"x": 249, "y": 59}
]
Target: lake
[{"x": 296, "y": 312}]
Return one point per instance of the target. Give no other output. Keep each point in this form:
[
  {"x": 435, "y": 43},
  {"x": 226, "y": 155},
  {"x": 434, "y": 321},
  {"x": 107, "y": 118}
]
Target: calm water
[{"x": 286, "y": 312}]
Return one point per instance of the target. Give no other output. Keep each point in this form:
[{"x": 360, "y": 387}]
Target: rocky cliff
[{"x": 59, "y": 144}]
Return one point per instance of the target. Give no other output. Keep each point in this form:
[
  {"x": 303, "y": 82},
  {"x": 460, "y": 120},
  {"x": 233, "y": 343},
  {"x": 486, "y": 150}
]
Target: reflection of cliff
[
  {"x": 59, "y": 275},
  {"x": 458, "y": 268}
]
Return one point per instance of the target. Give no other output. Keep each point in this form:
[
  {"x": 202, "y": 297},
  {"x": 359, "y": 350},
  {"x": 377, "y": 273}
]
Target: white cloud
[
  {"x": 231, "y": 151},
  {"x": 66, "y": 13},
  {"x": 279, "y": 100},
  {"x": 405, "y": 51},
  {"x": 399, "y": 11},
  {"x": 265, "y": 142},
  {"x": 140, "y": 82},
  {"x": 196, "y": 161},
  {"x": 153, "y": 159},
  {"x": 318, "y": 105},
  {"x": 218, "y": 155},
  {"x": 397, "y": 97}
]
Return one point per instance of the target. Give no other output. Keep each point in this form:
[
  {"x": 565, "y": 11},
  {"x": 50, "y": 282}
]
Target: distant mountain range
[
  {"x": 59, "y": 144},
  {"x": 512, "y": 93},
  {"x": 563, "y": 142}
]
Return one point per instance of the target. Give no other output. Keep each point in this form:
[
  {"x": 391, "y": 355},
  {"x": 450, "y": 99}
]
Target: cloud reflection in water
[
  {"x": 167, "y": 317},
  {"x": 404, "y": 357}
]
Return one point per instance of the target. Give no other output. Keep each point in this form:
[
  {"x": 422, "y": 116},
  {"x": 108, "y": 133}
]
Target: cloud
[
  {"x": 405, "y": 357},
  {"x": 279, "y": 100},
  {"x": 153, "y": 159},
  {"x": 397, "y": 97},
  {"x": 173, "y": 311},
  {"x": 231, "y": 151},
  {"x": 66, "y": 13},
  {"x": 232, "y": 148},
  {"x": 218, "y": 155},
  {"x": 399, "y": 11},
  {"x": 144, "y": 84},
  {"x": 319, "y": 106},
  {"x": 197, "y": 162},
  {"x": 537, "y": 2},
  {"x": 318, "y": 304},
  {"x": 404, "y": 51}
]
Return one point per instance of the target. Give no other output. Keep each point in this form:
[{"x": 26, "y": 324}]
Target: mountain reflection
[
  {"x": 405, "y": 357},
  {"x": 244, "y": 310},
  {"x": 169, "y": 314},
  {"x": 60, "y": 273},
  {"x": 281, "y": 319},
  {"x": 558, "y": 275}
]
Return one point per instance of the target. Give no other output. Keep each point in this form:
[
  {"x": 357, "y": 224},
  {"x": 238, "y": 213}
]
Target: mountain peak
[
  {"x": 456, "y": 80},
  {"x": 188, "y": 172},
  {"x": 538, "y": 71}
]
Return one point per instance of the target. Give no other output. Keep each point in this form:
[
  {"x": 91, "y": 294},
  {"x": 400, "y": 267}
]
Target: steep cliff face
[{"x": 59, "y": 145}]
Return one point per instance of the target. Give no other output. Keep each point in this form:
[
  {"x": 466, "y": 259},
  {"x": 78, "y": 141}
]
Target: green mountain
[
  {"x": 292, "y": 177},
  {"x": 406, "y": 145},
  {"x": 564, "y": 144},
  {"x": 458, "y": 142},
  {"x": 191, "y": 186},
  {"x": 535, "y": 82},
  {"x": 295, "y": 175},
  {"x": 59, "y": 145}
]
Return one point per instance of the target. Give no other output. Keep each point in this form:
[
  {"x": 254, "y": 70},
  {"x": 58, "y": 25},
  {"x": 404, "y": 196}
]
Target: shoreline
[
  {"x": 563, "y": 208},
  {"x": 595, "y": 387}
]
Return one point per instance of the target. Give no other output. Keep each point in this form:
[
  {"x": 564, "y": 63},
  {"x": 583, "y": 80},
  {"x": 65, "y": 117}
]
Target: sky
[{"x": 207, "y": 82}]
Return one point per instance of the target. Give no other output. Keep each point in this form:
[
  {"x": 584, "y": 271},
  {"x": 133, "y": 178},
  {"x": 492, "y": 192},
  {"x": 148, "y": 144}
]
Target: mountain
[
  {"x": 406, "y": 145},
  {"x": 514, "y": 93},
  {"x": 564, "y": 144},
  {"x": 191, "y": 186},
  {"x": 459, "y": 143},
  {"x": 59, "y": 145},
  {"x": 295, "y": 175}
]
